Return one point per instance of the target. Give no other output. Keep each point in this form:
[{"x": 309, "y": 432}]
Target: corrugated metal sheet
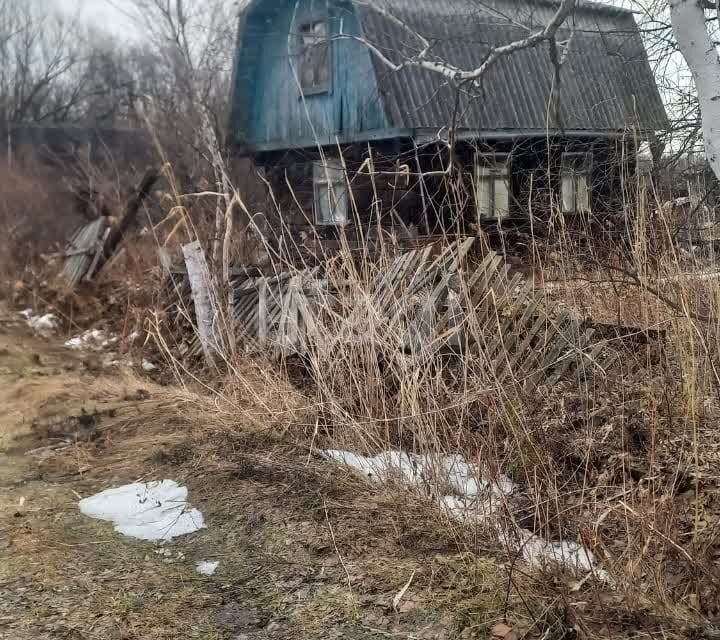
[
  {"x": 81, "y": 250},
  {"x": 606, "y": 81}
]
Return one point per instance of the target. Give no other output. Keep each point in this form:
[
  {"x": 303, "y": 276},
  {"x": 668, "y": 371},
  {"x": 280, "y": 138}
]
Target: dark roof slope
[{"x": 606, "y": 83}]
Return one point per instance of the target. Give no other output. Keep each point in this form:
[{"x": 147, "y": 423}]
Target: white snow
[
  {"x": 148, "y": 366},
  {"x": 207, "y": 568},
  {"x": 471, "y": 498},
  {"x": 92, "y": 340},
  {"x": 433, "y": 472},
  {"x": 147, "y": 511},
  {"x": 539, "y": 552},
  {"x": 382, "y": 466},
  {"x": 41, "y": 323}
]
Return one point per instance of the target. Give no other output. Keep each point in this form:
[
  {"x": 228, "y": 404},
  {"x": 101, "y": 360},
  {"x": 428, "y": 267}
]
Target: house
[{"x": 349, "y": 136}]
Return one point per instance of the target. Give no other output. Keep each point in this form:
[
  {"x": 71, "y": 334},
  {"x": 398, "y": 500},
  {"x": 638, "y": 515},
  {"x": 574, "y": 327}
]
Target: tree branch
[{"x": 452, "y": 72}]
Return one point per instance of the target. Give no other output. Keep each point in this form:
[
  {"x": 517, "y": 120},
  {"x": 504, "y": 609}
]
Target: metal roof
[{"x": 606, "y": 83}]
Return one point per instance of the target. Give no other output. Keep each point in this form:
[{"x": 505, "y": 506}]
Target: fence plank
[{"x": 198, "y": 275}]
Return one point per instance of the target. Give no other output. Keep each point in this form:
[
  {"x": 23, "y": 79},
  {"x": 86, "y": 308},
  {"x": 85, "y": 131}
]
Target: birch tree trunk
[{"x": 701, "y": 55}]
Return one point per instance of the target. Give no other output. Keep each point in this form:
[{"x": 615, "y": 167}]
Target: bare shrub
[{"x": 35, "y": 217}]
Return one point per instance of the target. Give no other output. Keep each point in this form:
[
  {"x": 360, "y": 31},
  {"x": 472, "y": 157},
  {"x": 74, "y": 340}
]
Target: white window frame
[
  {"x": 329, "y": 178},
  {"x": 492, "y": 186},
  {"x": 644, "y": 162},
  {"x": 575, "y": 182}
]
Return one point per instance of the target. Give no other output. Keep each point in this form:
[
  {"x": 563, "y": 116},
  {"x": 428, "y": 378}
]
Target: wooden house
[{"x": 349, "y": 136}]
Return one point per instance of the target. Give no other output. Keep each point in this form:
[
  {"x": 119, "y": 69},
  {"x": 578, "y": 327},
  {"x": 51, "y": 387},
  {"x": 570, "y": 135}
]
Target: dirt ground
[{"x": 300, "y": 556}]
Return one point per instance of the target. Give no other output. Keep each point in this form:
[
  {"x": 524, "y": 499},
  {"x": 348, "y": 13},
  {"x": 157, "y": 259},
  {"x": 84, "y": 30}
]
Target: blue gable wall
[{"x": 268, "y": 108}]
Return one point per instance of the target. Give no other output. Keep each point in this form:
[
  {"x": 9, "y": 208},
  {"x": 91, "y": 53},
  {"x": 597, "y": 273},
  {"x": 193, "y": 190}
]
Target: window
[
  {"x": 492, "y": 186},
  {"x": 644, "y": 162},
  {"x": 575, "y": 182},
  {"x": 314, "y": 68},
  {"x": 330, "y": 193}
]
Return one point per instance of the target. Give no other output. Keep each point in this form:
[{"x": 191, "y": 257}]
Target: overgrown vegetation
[
  {"x": 618, "y": 458},
  {"x": 618, "y": 455}
]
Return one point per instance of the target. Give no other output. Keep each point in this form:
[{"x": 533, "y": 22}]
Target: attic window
[
  {"x": 330, "y": 193},
  {"x": 314, "y": 69},
  {"x": 492, "y": 186},
  {"x": 575, "y": 182}
]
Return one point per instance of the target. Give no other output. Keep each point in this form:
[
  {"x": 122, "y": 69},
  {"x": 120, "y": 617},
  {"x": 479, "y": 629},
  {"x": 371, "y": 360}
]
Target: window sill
[{"x": 310, "y": 93}]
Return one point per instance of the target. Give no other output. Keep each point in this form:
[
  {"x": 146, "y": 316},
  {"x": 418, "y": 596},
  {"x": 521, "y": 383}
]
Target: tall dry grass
[{"x": 619, "y": 459}]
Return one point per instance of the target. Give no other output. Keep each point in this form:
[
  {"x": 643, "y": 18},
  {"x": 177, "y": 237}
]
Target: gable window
[
  {"x": 575, "y": 182},
  {"x": 330, "y": 193},
  {"x": 492, "y": 186},
  {"x": 314, "y": 68}
]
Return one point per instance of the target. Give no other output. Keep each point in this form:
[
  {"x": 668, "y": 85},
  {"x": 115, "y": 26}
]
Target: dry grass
[
  {"x": 622, "y": 461},
  {"x": 619, "y": 460}
]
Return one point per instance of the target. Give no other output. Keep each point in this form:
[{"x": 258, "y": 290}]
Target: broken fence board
[
  {"x": 198, "y": 275},
  {"x": 83, "y": 246}
]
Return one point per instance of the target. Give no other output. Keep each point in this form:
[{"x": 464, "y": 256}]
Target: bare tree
[
  {"x": 423, "y": 59},
  {"x": 38, "y": 51},
  {"x": 191, "y": 45},
  {"x": 53, "y": 69}
]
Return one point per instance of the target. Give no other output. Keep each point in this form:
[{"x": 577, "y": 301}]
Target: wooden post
[
  {"x": 287, "y": 329},
  {"x": 165, "y": 259},
  {"x": 292, "y": 314},
  {"x": 98, "y": 256},
  {"x": 198, "y": 275},
  {"x": 113, "y": 239},
  {"x": 263, "y": 311}
]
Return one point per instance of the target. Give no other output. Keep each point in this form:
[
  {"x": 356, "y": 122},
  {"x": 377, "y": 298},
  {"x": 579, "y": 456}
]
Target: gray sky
[
  {"x": 101, "y": 13},
  {"x": 108, "y": 14},
  {"x": 105, "y": 13}
]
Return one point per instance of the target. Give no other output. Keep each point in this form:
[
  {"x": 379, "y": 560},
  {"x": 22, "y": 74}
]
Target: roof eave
[{"x": 429, "y": 136}]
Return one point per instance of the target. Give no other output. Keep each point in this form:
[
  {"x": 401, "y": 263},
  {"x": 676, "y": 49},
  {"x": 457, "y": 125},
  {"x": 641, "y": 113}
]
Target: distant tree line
[{"x": 174, "y": 75}]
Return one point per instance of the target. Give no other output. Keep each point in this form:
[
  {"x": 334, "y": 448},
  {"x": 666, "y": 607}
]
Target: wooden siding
[
  {"x": 271, "y": 108},
  {"x": 386, "y": 199}
]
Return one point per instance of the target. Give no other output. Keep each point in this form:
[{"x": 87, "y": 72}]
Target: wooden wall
[
  {"x": 269, "y": 107},
  {"x": 390, "y": 201}
]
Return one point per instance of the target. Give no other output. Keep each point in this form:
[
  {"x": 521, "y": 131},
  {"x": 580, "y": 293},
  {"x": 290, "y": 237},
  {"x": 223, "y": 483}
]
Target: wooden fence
[{"x": 431, "y": 299}]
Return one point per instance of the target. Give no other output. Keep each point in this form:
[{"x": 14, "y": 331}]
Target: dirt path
[
  {"x": 298, "y": 557},
  {"x": 63, "y": 575}
]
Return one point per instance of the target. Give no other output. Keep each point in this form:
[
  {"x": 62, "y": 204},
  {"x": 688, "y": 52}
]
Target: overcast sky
[{"x": 102, "y": 13}]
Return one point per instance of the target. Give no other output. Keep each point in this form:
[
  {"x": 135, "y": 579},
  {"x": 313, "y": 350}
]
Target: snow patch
[
  {"x": 45, "y": 323},
  {"x": 148, "y": 366},
  {"x": 538, "y": 552},
  {"x": 91, "y": 340},
  {"x": 146, "y": 511},
  {"x": 465, "y": 495},
  {"x": 437, "y": 473},
  {"x": 206, "y": 567}
]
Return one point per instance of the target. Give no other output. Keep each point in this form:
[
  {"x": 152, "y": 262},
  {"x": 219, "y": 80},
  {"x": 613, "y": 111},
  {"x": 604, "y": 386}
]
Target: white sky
[
  {"x": 108, "y": 14},
  {"x": 101, "y": 13}
]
